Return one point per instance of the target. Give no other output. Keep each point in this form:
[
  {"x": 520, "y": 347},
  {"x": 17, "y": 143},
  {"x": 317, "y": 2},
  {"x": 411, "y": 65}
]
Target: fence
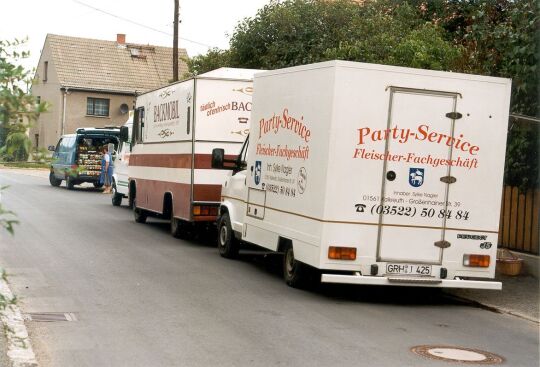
[{"x": 519, "y": 225}]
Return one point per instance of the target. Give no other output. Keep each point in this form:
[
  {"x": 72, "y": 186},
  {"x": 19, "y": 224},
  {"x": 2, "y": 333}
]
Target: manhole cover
[
  {"x": 457, "y": 354},
  {"x": 50, "y": 316}
]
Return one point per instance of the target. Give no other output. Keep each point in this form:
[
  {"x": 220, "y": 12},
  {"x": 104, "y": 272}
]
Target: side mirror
[
  {"x": 124, "y": 133},
  {"x": 51, "y": 148},
  {"x": 218, "y": 156}
]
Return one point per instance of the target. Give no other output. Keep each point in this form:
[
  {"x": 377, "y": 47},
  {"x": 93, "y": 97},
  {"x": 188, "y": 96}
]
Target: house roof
[{"x": 89, "y": 64}]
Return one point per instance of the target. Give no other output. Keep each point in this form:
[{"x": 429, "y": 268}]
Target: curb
[
  {"x": 493, "y": 308},
  {"x": 20, "y": 350}
]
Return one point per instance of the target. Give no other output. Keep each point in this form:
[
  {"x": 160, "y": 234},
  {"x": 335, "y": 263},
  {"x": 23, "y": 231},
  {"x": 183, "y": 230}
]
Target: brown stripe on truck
[
  {"x": 202, "y": 161},
  {"x": 150, "y": 194}
]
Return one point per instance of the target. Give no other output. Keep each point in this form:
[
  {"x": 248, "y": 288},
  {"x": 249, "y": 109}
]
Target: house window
[
  {"x": 97, "y": 107},
  {"x": 45, "y": 70}
]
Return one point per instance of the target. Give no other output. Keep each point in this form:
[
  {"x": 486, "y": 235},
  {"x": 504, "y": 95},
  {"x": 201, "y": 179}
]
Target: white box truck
[
  {"x": 371, "y": 174},
  {"x": 174, "y": 131}
]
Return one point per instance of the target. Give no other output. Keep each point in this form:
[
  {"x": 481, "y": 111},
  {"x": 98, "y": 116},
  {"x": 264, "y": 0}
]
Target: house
[{"x": 94, "y": 83}]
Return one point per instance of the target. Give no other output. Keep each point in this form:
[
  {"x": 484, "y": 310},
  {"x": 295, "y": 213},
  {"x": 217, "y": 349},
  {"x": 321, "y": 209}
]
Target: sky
[{"x": 204, "y": 23}]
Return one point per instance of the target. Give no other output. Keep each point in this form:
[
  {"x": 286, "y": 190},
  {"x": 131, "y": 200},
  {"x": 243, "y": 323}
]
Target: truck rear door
[{"x": 418, "y": 143}]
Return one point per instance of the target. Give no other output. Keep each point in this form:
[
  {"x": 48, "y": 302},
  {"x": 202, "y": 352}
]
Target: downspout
[{"x": 64, "y": 111}]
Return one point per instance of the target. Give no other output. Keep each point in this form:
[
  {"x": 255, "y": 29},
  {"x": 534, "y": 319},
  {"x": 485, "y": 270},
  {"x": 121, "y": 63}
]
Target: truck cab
[
  {"x": 233, "y": 204},
  {"x": 120, "y": 179}
]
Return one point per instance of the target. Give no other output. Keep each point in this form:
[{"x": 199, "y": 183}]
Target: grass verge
[{"x": 25, "y": 164}]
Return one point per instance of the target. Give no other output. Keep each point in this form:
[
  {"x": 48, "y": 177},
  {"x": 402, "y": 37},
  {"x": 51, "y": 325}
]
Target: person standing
[{"x": 106, "y": 170}]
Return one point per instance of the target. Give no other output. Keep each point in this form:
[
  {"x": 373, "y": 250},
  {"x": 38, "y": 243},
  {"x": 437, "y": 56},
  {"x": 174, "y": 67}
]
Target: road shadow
[
  {"x": 202, "y": 237},
  {"x": 272, "y": 264},
  {"x": 77, "y": 188}
]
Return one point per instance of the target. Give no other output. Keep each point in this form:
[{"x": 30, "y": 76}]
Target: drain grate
[
  {"x": 50, "y": 316},
  {"x": 457, "y": 354}
]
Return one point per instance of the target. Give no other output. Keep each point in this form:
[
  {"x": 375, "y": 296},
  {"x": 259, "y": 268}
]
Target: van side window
[
  {"x": 58, "y": 146},
  {"x": 244, "y": 151},
  {"x": 71, "y": 149},
  {"x": 242, "y": 157},
  {"x": 62, "y": 150},
  {"x": 138, "y": 125}
]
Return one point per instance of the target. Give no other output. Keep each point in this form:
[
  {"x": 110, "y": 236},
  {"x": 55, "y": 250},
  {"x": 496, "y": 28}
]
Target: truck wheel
[
  {"x": 139, "y": 214},
  {"x": 176, "y": 226},
  {"x": 228, "y": 245},
  {"x": 116, "y": 197},
  {"x": 69, "y": 183},
  {"x": 98, "y": 185},
  {"x": 53, "y": 180},
  {"x": 131, "y": 199},
  {"x": 295, "y": 273}
]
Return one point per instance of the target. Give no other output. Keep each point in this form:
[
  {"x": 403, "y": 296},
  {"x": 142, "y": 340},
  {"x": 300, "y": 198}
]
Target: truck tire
[
  {"x": 228, "y": 245},
  {"x": 69, "y": 183},
  {"x": 53, "y": 180},
  {"x": 116, "y": 198},
  {"x": 176, "y": 226},
  {"x": 139, "y": 215},
  {"x": 295, "y": 273},
  {"x": 98, "y": 185}
]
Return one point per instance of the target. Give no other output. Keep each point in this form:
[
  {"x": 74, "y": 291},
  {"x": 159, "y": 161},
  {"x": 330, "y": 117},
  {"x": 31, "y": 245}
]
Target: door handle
[{"x": 442, "y": 244}]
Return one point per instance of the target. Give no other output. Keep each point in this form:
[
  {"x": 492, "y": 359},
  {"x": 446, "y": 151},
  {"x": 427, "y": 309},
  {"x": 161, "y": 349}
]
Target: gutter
[
  {"x": 91, "y": 90},
  {"x": 66, "y": 91}
]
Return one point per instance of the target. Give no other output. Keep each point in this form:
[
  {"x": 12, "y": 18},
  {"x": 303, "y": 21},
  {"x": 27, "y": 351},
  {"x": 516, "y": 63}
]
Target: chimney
[{"x": 121, "y": 39}]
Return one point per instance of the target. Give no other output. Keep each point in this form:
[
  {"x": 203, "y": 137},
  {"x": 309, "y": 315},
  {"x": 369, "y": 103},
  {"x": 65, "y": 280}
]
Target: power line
[{"x": 137, "y": 23}]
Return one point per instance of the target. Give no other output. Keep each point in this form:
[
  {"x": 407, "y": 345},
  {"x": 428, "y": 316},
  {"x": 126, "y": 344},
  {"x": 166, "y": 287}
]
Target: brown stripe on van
[
  {"x": 161, "y": 160},
  {"x": 150, "y": 194},
  {"x": 202, "y": 161},
  {"x": 206, "y": 192}
]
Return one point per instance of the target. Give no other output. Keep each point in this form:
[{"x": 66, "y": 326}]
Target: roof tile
[{"x": 107, "y": 66}]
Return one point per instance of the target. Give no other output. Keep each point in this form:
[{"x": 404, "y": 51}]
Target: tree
[
  {"x": 18, "y": 108},
  {"x": 213, "y": 59},
  {"x": 296, "y": 32},
  {"x": 18, "y": 145},
  {"x": 496, "y": 38},
  {"x": 501, "y": 38},
  {"x": 521, "y": 166}
]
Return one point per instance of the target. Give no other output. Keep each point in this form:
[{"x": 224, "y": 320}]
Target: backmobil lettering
[{"x": 166, "y": 111}]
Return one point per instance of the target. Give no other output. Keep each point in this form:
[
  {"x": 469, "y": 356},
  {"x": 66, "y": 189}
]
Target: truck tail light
[
  {"x": 479, "y": 261},
  {"x": 342, "y": 253},
  {"x": 204, "y": 210}
]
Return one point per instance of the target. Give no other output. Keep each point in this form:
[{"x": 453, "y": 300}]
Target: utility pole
[{"x": 175, "y": 41}]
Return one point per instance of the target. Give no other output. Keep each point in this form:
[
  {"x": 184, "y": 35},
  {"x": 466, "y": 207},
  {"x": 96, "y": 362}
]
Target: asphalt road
[{"x": 144, "y": 298}]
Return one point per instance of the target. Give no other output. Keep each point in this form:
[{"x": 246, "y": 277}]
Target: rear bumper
[
  {"x": 87, "y": 178},
  {"x": 410, "y": 281}
]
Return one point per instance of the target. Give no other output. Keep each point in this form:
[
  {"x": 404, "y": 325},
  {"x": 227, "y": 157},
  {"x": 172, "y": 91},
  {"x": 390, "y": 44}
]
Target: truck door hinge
[
  {"x": 442, "y": 244},
  {"x": 454, "y": 115},
  {"x": 448, "y": 179}
]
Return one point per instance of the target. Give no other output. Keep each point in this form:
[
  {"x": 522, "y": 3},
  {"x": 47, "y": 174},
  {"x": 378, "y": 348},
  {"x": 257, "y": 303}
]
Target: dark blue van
[{"x": 77, "y": 157}]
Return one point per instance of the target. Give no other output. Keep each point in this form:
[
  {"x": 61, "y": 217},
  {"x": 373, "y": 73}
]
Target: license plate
[{"x": 408, "y": 269}]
